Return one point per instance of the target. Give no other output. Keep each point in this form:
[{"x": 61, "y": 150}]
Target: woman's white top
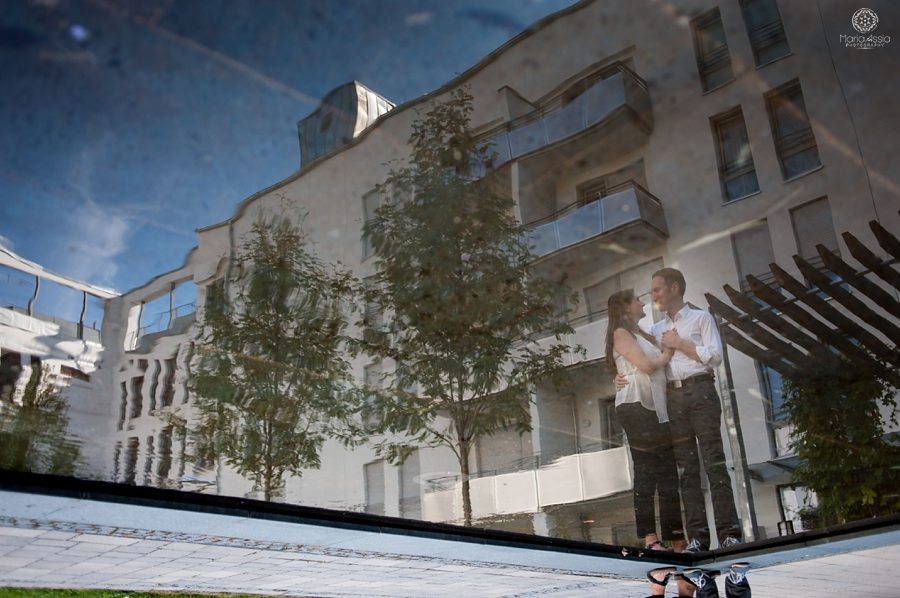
[{"x": 647, "y": 389}]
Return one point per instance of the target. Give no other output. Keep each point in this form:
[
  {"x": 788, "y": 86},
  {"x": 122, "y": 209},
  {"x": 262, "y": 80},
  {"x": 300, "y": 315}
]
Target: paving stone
[
  {"x": 53, "y": 535},
  {"x": 114, "y": 540},
  {"x": 20, "y": 532}
]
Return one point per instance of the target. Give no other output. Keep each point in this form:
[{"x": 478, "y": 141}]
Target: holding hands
[{"x": 671, "y": 340}]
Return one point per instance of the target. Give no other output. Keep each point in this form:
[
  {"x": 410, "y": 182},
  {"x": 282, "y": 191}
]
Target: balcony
[
  {"x": 568, "y": 480},
  {"x": 629, "y": 220},
  {"x": 608, "y": 117}
]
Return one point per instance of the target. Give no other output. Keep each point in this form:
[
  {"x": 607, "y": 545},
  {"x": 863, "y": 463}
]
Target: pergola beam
[
  {"x": 828, "y": 311},
  {"x": 759, "y": 334},
  {"x": 856, "y": 307},
  {"x": 777, "y": 323},
  {"x": 858, "y": 280}
]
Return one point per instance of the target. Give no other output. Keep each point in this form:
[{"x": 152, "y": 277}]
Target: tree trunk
[{"x": 464, "y": 474}]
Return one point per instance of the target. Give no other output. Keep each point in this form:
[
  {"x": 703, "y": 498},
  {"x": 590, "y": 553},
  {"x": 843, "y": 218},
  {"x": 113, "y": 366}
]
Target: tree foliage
[
  {"x": 34, "y": 434},
  {"x": 272, "y": 381},
  {"x": 839, "y": 417},
  {"x": 466, "y": 314}
]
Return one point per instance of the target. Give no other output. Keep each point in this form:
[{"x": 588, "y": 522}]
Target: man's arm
[{"x": 708, "y": 352}]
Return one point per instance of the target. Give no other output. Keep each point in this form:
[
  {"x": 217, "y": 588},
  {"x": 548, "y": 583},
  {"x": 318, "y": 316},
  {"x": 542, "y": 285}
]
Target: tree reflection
[
  {"x": 34, "y": 434},
  {"x": 839, "y": 437},
  {"x": 271, "y": 381},
  {"x": 453, "y": 270}
]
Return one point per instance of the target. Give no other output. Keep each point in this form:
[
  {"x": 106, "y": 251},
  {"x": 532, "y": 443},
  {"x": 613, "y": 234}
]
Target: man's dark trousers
[{"x": 694, "y": 420}]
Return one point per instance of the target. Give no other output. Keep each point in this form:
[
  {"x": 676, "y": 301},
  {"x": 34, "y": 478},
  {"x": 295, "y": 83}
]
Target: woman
[{"x": 641, "y": 408}]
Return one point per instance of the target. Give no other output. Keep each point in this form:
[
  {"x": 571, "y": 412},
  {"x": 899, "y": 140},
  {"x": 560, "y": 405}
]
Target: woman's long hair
[{"x": 617, "y": 311}]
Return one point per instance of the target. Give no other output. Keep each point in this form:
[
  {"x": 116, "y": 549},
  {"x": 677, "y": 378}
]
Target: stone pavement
[{"x": 65, "y": 542}]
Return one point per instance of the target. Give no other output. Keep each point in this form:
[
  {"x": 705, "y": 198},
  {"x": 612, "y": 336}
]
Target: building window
[
  {"x": 611, "y": 431},
  {"x": 137, "y": 397},
  {"x": 813, "y": 226},
  {"x": 791, "y": 131},
  {"x": 123, "y": 405},
  {"x": 129, "y": 471},
  {"x": 371, "y": 203},
  {"x": 372, "y": 315},
  {"x": 612, "y": 182},
  {"x": 168, "y": 392},
  {"x": 374, "y": 474},
  {"x": 765, "y": 30},
  {"x": 154, "y": 383},
  {"x": 753, "y": 253},
  {"x": 773, "y": 386},
  {"x": 597, "y": 296},
  {"x": 736, "y": 170},
  {"x": 372, "y": 378},
  {"x": 410, "y": 494},
  {"x": 713, "y": 60},
  {"x": 799, "y": 506}
]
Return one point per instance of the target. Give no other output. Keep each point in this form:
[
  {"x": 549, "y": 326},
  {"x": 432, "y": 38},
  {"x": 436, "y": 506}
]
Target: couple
[{"x": 667, "y": 403}]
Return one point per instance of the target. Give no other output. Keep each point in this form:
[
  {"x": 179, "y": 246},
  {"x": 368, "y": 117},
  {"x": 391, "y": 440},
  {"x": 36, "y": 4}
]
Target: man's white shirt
[{"x": 697, "y": 326}]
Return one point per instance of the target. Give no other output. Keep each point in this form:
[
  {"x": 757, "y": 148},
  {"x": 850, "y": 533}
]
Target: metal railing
[
  {"x": 559, "y": 120},
  {"x": 600, "y": 215}
]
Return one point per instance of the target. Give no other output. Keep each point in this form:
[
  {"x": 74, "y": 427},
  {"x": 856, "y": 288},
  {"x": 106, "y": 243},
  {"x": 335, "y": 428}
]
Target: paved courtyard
[{"x": 50, "y": 541}]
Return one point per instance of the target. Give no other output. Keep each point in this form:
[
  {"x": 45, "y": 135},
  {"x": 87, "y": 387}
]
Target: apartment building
[
  {"x": 711, "y": 136},
  {"x": 50, "y": 345}
]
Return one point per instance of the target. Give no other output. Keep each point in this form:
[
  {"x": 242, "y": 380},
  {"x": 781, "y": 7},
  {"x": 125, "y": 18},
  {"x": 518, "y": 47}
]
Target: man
[{"x": 694, "y": 409}]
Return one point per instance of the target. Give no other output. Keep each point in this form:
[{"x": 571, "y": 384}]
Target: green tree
[
  {"x": 271, "y": 381},
  {"x": 839, "y": 439},
  {"x": 34, "y": 435},
  {"x": 453, "y": 274}
]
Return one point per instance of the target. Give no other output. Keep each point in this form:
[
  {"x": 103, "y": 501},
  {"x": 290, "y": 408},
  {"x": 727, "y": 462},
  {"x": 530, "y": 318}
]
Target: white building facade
[{"x": 714, "y": 137}]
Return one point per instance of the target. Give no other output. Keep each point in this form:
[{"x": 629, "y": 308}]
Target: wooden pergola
[{"x": 819, "y": 322}]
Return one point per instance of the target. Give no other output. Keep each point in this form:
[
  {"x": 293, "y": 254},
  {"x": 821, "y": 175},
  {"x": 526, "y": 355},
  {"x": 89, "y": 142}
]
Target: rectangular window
[
  {"x": 799, "y": 506},
  {"x": 773, "y": 385},
  {"x": 165, "y": 454},
  {"x": 791, "y": 130},
  {"x": 765, "y": 30},
  {"x": 129, "y": 470},
  {"x": 374, "y": 473},
  {"x": 168, "y": 392},
  {"x": 410, "y": 494},
  {"x": 372, "y": 312},
  {"x": 372, "y": 378},
  {"x": 123, "y": 405},
  {"x": 371, "y": 203},
  {"x": 713, "y": 59},
  {"x": 753, "y": 253},
  {"x": 611, "y": 431},
  {"x": 736, "y": 170},
  {"x": 612, "y": 182},
  {"x": 137, "y": 397},
  {"x": 597, "y": 296},
  {"x": 813, "y": 226},
  {"x": 154, "y": 383}
]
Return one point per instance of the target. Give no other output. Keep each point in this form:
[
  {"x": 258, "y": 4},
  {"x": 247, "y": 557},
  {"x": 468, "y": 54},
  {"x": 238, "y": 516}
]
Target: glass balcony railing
[
  {"x": 601, "y": 215},
  {"x": 550, "y": 125}
]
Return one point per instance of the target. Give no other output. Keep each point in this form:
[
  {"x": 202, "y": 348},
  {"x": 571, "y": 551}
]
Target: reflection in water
[
  {"x": 242, "y": 372},
  {"x": 33, "y": 429},
  {"x": 453, "y": 269},
  {"x": 271, "y": 380}
]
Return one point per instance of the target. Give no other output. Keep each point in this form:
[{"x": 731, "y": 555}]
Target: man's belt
[{"x": 675, "y": 384}]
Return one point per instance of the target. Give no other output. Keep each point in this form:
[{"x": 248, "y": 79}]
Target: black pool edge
[{"x": 54, "y": 485}]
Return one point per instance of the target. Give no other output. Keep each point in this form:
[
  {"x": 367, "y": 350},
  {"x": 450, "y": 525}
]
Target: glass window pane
[
  {"x": 813, "y": 225},
  {"x": 16, "y": 288},
  {"x": 753, "y": 252}
]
